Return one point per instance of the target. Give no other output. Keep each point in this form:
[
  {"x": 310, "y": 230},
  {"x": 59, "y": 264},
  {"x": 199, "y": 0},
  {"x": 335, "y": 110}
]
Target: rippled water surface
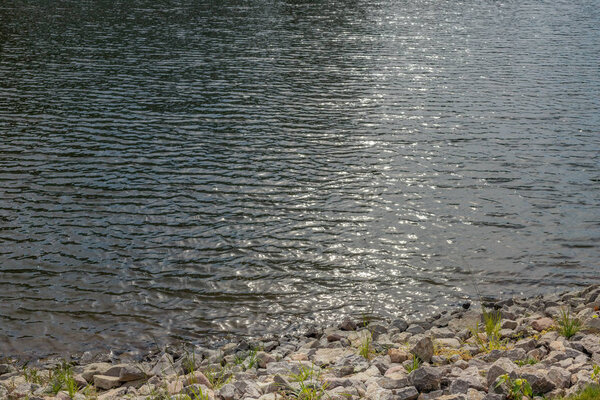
[{"x": 173, "y": 169}]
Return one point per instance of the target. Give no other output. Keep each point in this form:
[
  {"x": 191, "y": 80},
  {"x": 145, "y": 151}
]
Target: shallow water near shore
[{"x": 174, "y": 169}]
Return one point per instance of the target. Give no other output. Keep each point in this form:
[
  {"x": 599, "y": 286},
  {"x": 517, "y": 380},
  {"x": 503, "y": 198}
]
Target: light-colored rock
[
  {"x": 500, "y": 367},
  {"x": 449, "y": 342},
  {"x": 199, "y": 378},
  {"x": 398, "y": 355},
  {"x": 94, "y": 369},
  {"x": 560, "y": 377},
  {"x": 106, "y": 382},
  {"x": 537, "y": 378},
  {"x": 165, "y": 366},
  {"x": 324, "y": 357},
  {"x": 542, "y": 324}
]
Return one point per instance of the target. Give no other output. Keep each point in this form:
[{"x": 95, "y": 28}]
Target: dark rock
[
  {"x": 426, "y": 378},
  {"x": 423, "y": 348},
  {"x": 400, "y": 324},
  {"x": 407, "y": 393},
  {"x": 348, "y": 325}
]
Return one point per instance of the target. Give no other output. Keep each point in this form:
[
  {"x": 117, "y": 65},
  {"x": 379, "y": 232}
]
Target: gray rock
[
  {"x": 526, "y": 344},
  {"x": 164, "y": 366},
  {"x": 246, "y": 389},
  {"x": 500, "y": 367},
  {"x": 400, "y": 324},
  {"x": 348, "y": 325},
  {"x": 560, "y": 377},
  {"x": 391, "y": 383},
  {"x": 436, "y": 394},
  {"x": 423, "y": 348},
  {"x": 459, "y": 386},
  {"x": 4, "y": 369},
  {"x": 407, "y": 393},
  {"x": 426, "y": 378},
  {"x": 415, "y": 329},
  {"x": 263, "y": 359},
  {"x": 537, "y": 378},
  {"x": 227, "y": 392},
  {"x": 106, "y": 382},
  {"x": 509, "y": 324},
  {"x": 94, "y": 369},
  {"x": 284, "y": 384},
  {"x": 196, "y": 390}
]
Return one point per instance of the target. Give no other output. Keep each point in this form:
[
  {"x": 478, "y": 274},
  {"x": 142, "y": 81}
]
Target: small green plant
[
  {"x": 252, "y": 358},
  {"x": 596, "y": 374},
  {"x": 32, "y": 375},
  {"x": 311, "y": 391},
  {"x": 217, "y": 378},
  {"x": 517, "y": 388},
  {"x": 568, "y": 325},
  {"x": 365, "y": 350},
  {"x": 197, "y": 393},
  {"x": 527, "y": 361},
  {"x": 590, "y": 392},
  {"x": 61, "y": 378},
  {"x": 306, "y": 373},
  {"x": 416, "y": 363},
  {"x": 489, "y": 343},
  {"x": 493, "y": 323},
  {"x": 189, "y": 362}
]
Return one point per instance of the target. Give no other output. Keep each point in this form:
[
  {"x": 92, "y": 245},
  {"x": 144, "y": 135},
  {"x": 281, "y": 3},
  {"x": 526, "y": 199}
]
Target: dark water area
[{"x": 171, "y": 170}]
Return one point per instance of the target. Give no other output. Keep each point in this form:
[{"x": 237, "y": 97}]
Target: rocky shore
[{"x": 542, "y": 348}]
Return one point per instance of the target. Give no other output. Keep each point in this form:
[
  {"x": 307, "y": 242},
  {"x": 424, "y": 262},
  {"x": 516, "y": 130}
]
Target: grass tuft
[
  {"x": 568, "y": 325},
  {"x": 416, "y": 363}
]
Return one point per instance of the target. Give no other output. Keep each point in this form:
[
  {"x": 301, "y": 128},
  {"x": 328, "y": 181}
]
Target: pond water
[{"x": 172, "y": 170}]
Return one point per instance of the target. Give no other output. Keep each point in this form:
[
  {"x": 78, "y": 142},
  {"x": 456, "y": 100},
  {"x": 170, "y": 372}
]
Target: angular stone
[
  {"x": 400, "y": 324},
  {"x": 537, "y": 378},
  {"x": 542, "y": 324},
  {"x": 426, "y": 378},
  {"x": 198, "y": 391},
  {"x": 508, "y": 324},
  {"x": 334, "y": 337},
  {"x": 415, "y": 329},
  {"x": 398, "y": 355},
  {"x": 560, "y": 377},
  {"x": 449, "y": 342},
  {"x": 407, "y": 393},
  {"x": 324, "y": 357},
  {"x": 246, "y": 389},
  {"x": 500, "y": 367},
  {"x": 263, "y": 359},
  {"x": 199, "y": 378},
  {"x": 396, "y": 372},
  {"x": 423, "y": 348},
  {"x": 526, "y": 344},
  {"x": 348, "y": 325},
  {"x": 442, "y": 333},
  {"x": 106, "y": 382},
  {"x": 389, "y": 383},
  {"x": 227, "y": 392},
  {"x": 165, "y": 366},
  {"x": 458, "y": 386},
  {"x": 94, "y": 369}
]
